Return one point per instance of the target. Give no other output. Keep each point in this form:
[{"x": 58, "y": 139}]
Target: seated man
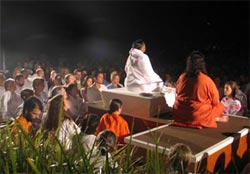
[
  {"x": 94, "y": 92},
  {"x": 32, "y": 110},
  {"x": 140, "y": 74}
]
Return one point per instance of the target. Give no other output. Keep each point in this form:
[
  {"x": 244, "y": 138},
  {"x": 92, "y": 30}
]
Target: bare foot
[{"x": 223, "y": 118}]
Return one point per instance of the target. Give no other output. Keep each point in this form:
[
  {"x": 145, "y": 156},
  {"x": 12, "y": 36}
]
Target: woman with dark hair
[
  {"x": 59, "y": 121},
  {"x": 140, "y": 74},
  {"x": 114, "y": 121},
  {"x": 231, "y": 103},
  {"x": 197, "y": 102}
]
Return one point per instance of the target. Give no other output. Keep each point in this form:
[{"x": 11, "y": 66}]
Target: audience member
[
  {"x": 231, "y": 104},
  {"x": 76, "y": 103},
  {"x": 115, "y": 81},
  {"x": 114, "y": 121},
  {"x": 32, "y": 110},
  {"x": 88, "y": 129},
  {"x": 87, "y": 83},
  {"x": 94, "y": 92},
  {"x": 179, "y": 158},
  {"x": 25, "y": 94},
  {"x": 10, "y": 101},
  {"x": 106, "y": 142},
  {"x": 59, "y": 121}
]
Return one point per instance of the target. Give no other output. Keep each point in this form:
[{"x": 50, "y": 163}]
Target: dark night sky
[{"x": 104, "y": 30}]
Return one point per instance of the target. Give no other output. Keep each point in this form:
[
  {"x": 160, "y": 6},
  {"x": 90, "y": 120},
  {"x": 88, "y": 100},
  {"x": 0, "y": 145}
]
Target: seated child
[
  {"x": 114, "y": 121},
  {"x": 231, "y": 104}
]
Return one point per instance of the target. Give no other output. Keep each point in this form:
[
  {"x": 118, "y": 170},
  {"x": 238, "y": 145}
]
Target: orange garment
[
  {"x": 116, "y": 124},
  {"x": 26, "y": 125},
  {"x": 197, "y": 102}
]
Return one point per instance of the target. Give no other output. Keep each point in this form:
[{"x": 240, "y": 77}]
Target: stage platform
[
  {"x": 143, "y": 104},
  {"x": 224, "y": 149}
]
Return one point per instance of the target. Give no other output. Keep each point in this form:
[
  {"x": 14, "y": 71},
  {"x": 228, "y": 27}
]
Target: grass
[{"x": 21, "y": 153}]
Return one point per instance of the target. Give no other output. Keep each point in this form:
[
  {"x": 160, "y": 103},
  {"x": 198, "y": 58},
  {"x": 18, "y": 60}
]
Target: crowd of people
[{"x": 38, "y": 95}]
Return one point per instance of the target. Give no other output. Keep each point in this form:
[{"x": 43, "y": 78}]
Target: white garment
[
  {"x": 2, "y": 90},
  {"x": 66, "y": 133},
  {"x": 88, "y": 142},
  {"x": 140, "y": 74},
  {"x": 9, "y": 104}
]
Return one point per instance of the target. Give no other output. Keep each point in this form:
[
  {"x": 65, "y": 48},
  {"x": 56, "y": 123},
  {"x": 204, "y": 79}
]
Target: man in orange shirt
[
  {"x": 114, "y": 121},
  {"x": 32, "y": 110},
  {"x": 197, "y": 102}
]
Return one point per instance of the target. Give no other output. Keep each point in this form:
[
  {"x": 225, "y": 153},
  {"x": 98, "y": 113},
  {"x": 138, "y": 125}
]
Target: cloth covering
[
  {"x": 140, "y": 74},
  {"x": 197, "y": 102}
]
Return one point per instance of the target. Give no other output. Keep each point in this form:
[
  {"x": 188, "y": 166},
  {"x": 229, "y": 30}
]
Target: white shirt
[
  {"x": 140, "y": 74},
  {"x": 66, "y": 133}
]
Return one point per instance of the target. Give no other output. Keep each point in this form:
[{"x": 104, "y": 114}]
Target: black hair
[
  {"x": 138, "y": 44},
  {"x": 114, "y": 105},
  {"x": 30, "y": 104},
  {"x": 195, "y": 64},
  {"x": 26, "y": 93},
  {"x": 89, "y": 123}
]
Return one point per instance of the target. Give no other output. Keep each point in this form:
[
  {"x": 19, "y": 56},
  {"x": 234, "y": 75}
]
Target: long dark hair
[
  {"x": 55, "y": 113},
  {"x": 195, "y": 64}
]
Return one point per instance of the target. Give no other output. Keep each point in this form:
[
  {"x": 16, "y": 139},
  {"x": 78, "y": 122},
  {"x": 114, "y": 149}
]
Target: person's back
[
  {"x": 114, "y": 121},
  {"x": 140, "y": 74},
  {"x": 197, "y": 102}
]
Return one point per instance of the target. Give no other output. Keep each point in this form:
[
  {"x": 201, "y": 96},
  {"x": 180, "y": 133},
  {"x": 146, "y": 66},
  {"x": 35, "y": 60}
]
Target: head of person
[
  {"x": 106, "y": 141},
  {"x": 10, "y": 85},
  {"x": 195, "y": 64},
  {"x": 32, "y": 109},
  {"x": 139, "y": 44},
  {"x": 57, "y": 80},
  {"x": 115, "y": 106},
  {"x": 58, "y": 90},
  {"x": 56, "y": 113},
  {"x": 88, "y": 81},
  {"x": 26, "y": 93},
  {"x": 19, "y": 79},
  {"x": 38, "y": 84},
  {"x": 115, "y": 78},
  {"x": 78, "y": 74},
  {"x": 180, "y": 156},
  {"x": 16, "y": 72},
  {"x": 40, "y": 72},
  {"x": 52, "y": 75},
  {"x": 72, "y": 89},
  {"x": 89, "y": 123},
  {"x": 70, "y": 78},
  {"x": 99, "y": 77},
  {"x": 230, "y": 89}
]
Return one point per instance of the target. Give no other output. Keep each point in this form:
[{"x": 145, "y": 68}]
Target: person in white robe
[{"x": 140, "y": 76}]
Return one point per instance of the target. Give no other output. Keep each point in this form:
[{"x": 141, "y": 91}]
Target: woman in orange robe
[
  {"x": 114, "y": 121},
  {"x": 197, "y": 102}
]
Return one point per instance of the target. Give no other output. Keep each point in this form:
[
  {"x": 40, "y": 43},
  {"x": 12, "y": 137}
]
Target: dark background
[{"x": 102, "y": 32}]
